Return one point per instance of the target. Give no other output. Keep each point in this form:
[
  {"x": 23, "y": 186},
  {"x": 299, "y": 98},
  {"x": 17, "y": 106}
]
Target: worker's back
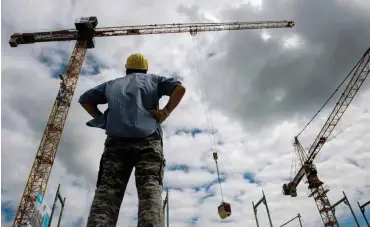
[
  {"x": 129, "y": 100},
  {"x": 133, "y": 111}
]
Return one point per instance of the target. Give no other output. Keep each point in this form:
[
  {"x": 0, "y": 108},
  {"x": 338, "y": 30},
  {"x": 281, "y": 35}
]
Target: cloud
[
  {"x": 262, "y": 86},
  {"x": 265, "y": 77}
]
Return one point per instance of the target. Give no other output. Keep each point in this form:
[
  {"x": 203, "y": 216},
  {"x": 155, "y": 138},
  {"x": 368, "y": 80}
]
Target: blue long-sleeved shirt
[{"x": 129, "y": 100}]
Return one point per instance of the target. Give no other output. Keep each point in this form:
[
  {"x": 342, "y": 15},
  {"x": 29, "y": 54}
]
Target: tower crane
[
  {"x": 317, "y": 189},
  {"x": 84, "y": 33}
]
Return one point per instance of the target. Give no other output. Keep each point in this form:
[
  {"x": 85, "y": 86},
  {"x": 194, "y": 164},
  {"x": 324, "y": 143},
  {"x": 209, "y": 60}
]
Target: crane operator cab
[
  {"x": 86, "y": 23},
  {"x": 312, "y": 178},
  {"x": 224, "y": 210},
  {"x": 86, "y": 29}
]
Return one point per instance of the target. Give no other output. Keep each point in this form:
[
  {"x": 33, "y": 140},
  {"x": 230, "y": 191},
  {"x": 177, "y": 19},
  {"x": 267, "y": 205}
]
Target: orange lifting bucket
[{"x": 224, "y": 210}]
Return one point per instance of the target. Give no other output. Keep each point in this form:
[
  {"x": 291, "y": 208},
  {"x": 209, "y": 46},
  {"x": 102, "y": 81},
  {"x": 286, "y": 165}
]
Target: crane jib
[
  {"x": 56, "y": 37},
  {"x": 359, "y": 74},
  {"x": 193, "y": 28}
]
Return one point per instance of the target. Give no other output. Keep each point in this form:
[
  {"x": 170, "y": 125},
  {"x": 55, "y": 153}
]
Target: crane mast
[
  {"x": 357, "y": 76},
  {"x": 84, "y": 35}
]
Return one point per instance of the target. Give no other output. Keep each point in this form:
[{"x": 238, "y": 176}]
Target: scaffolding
[
  {"x": 264, "y": 201},
  {"x": 299, "y": 218},
  {"x": 166, "y": 210},
  {"x": 362, "y": 208},
  {"x": 345, "y": 201},
  {"x": 62, "y": 202}
]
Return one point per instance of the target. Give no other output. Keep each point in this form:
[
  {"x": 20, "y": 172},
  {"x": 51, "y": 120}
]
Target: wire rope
[{"x": 210, "y": 133}]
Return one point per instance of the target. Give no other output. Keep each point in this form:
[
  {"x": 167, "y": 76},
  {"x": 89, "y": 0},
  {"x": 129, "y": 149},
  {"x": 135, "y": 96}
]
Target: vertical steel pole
[
  {"x": 362, "y": 208},
  {"x": 61, "y": 212},
  {"x": 54, "y": 205},
  {"x": 267, "y": 208},
  {"x": 299, "y": 218},
  {"x": 168, "y": 209},
  {"x": 350, "y": 207},
  {"x": 165, "y": 203},
  {"x": 255, "y": 213},
  {"x": 164, "y": 212}
]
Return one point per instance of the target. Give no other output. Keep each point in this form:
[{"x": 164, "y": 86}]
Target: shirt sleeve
[
  {"x": 167, "y": 85},
  {"x": 95, "y": 95}
]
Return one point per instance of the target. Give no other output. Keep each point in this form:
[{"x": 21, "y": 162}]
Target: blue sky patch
[
  {"x": 196, "y": 131},
  {"x": 90, "y": 66},
  {"x": 78, "y": 223},
  {"x": 172, "y": 188},
  {"x": 193, "y": 132},
  {"x": 206, "y": 197},
  {"x": 47, "y": 61},
  {"x": 211, "y": 171},
  {"x": 183, "y": 168},
  {"x": 349, "y": 221},
  {"x": 193, "y": 221},
  {"x": 251, "y": 178},
  {"x": 208, "y": 185},
  {"x": 77, "y": 184},
  {"x": 7, "y": 211},
  {"x": 226, "y": 221}
]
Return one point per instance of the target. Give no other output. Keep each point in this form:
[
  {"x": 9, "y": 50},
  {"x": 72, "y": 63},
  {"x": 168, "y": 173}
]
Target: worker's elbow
[
  {"x": 181, "y": 88},
  {"x": 84, "y": 105}
]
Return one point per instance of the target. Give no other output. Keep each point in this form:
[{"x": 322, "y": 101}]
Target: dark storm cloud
[{"x": 245, "y": 81}]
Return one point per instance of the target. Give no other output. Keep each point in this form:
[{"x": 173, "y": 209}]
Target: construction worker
[{"x": 134, "y": 139}]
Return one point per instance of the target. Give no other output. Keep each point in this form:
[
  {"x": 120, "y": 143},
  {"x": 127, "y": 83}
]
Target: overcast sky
[{"x": 262, "y": 87}]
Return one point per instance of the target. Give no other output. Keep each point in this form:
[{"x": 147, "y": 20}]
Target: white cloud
[{"x": 28, "y": 92}]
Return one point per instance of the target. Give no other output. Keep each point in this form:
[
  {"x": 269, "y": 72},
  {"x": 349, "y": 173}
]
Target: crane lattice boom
[
  {"x": 357, "y": 76},
  {"x": 193, "y": 28},
  {"x": 84, "y": 34}
]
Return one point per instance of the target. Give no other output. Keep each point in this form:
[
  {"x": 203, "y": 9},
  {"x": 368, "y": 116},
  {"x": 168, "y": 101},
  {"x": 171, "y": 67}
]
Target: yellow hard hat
[{"x": 136, "y": 61}]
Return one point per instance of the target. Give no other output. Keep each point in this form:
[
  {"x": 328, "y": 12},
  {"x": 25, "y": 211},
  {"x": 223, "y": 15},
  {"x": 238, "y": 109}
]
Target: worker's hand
[{"x": 161, "y": 114}]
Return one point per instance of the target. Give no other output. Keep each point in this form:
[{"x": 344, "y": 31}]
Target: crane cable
[
  {"x": 331, "y": 96},
  {"x": 203, "y": 89},
  {"x": 322, "y": 107},
  {"x": 293, "y": 167}
]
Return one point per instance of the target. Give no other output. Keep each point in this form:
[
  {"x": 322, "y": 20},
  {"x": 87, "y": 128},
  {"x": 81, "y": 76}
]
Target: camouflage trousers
[{"x": 116, "y": 165}]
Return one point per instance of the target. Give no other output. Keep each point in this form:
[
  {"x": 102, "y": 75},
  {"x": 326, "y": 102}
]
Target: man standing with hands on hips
[{"x": 132, "y": 123}]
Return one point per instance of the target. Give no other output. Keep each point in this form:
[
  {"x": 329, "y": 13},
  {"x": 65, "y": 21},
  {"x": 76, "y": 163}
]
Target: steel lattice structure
[
  {"x": 318, "y": 191},
  {"x": 43, "y": 163},
  {"x": 84, "y": 34}
]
